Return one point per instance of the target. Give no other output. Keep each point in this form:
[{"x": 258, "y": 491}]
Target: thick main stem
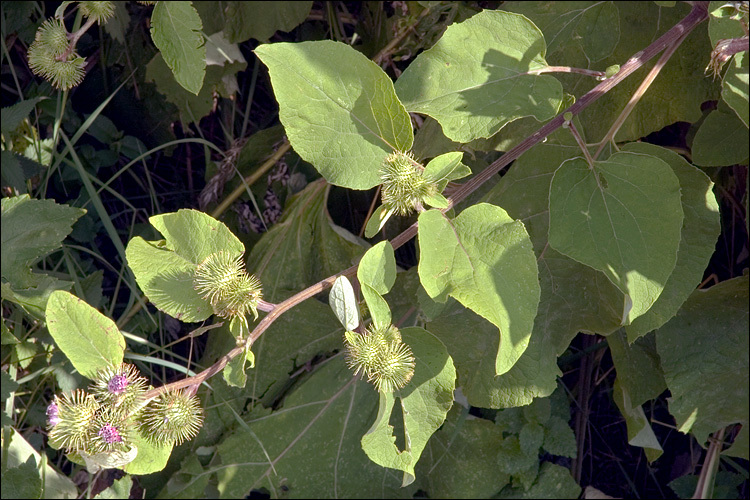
[{"x": 698, "y": 14}]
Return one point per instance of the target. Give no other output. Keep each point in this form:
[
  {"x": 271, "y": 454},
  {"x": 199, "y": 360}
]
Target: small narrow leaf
[
  {"x": 377, "y": 305},
  {"x": 377, "y": 220},
  {"x": 176, "y": 31},
  {"x": 344, "y": 303},
  {"x": 234, "y": 372},
  {"x": 378, "y": 267},
  {"x": 89, "y": 339},
  {"x": 437, "y": 200}
]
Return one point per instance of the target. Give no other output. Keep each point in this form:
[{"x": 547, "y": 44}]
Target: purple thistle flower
[
  {"x": 53, "y": 417},
  {"x": 110, "y": 434},
  {"x": 117, "y": 384}
]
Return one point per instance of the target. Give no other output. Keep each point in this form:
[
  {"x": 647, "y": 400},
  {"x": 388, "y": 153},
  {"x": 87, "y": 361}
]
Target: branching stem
[{"x": 670, "y": 39}]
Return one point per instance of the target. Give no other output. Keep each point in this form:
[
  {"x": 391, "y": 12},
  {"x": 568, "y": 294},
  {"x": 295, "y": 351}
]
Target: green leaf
[
  {"x": 22, "y": 481},
  {"x": 720, "y": 22},
  {"x": 721, "y": 139},
  {"x": 470, "y": 339},
  {"x": 120, "y": 489},
  {"x": 328, "y": 413},
  {"x": 193, "y": 107},
  {"x": 740, "y": 447},
  {"x": 635, "y": 22},
  {"x": 604, "y": 218},
  {"x": 574, "y": 297},
  {"x": 378, "y": 268},
  {"x": 592, "y": 28},
  {"x": 176, "y": 31},
  {"x": 459, "y": 460},
  {"x": 376, "y": 274},
  {"x": 704, "y": 356},
  {"x": 260, "y": 20},
  {"x": 700, "y": 229},
  {"x": 12, "y": 116},
  {"x": 234, "y": 372},
  {"x": 294, "y": 339},
  {"x": 559, "y": 438},
  {"x": 639, "y": 428},
  {"x": 377, "y": 220},
  {"x": 378, "y": 307},
  {"x": 445, "y": 168},
  {"x": 17, "y": 169},
  {"x": 485, "y": 260},
  {"x": 734, "y": 86},
  {"x": 151, "y": 457},
  {"x": 31, "y": 229},
  {"x": 638, "y": 367},
  {"x": 475, "y": 79},
  {"x": 344, "y": 303},
  {"x": 89, "y": 339},
  {"x": 164, "y": 269},
  {"x": 425, "y": 402},
  {"x": 553, "y": 481},
  {"x": 303, "y": 247},
  {"x": 20, "y": 452},
  {"x": 339, "y": 109},
  {"x": 188, "y": 482}
]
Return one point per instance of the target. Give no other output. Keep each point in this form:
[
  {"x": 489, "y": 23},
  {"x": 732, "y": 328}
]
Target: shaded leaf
[
  {"x": 326, "y": 415},
  {"x": 32, "y": 229},
  {"x": 704, "y": 355},
  {"x": 474, "y": 80},
  {"x": 721, "y": 139},
  {"x": 472, "y": 342},
  {"x": 638, "y": 367},
  {"x": 459, "y": 460},
  {"x": 700, "y": 229},
  {"x": 604, "y": 218},
  {"x": 484, "y": 259},
  {"x": 639, "y": 428},
  {"x": 176, "y": 31},
  {"x": 12, "y": 116},
  {"x": 592, "y": 28},
  {"x": 303, "y": 247}
]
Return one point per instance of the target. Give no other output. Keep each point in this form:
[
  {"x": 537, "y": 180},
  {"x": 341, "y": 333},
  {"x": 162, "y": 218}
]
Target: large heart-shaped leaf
[
  {"x": 623, "y": 217},
  {"x": 485, "y": 260},
  {"x": 339, "y": 109},
  {"x": 476, "y": 79}
]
